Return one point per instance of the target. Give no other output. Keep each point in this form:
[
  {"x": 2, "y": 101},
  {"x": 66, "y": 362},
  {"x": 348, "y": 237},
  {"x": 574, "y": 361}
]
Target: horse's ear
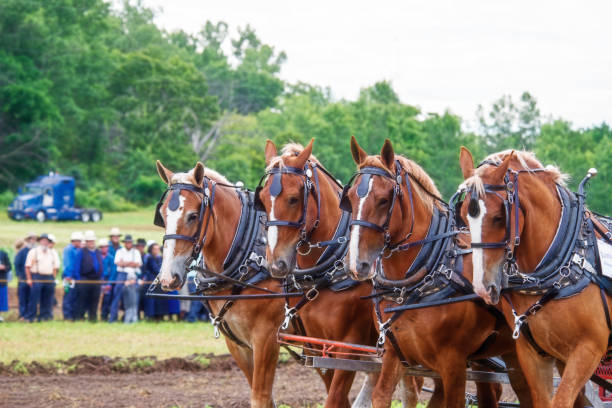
[
  {"x": 164, "y": 173},
  {"x": 466, "y": 161},
  {"x": 198, "y": 174},
  {"x": 271, "y": 151},
  {"x": 500, "y": 171},
  {"x": 359, "y": 155},
  {"x": 302, "y": 157},
  {"x": 387, "y": 155}
]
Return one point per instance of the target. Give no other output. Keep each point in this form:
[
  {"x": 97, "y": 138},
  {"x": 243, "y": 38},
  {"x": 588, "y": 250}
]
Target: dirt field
[{"x": 98, "y": 382}]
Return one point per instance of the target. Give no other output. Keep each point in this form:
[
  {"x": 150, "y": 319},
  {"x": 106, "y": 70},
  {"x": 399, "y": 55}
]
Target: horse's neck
[
  {"x": 328, "y": 220},
  {"x": 542, "y": 214},
  {"x": 396, "y": 266},
  {"x": 222, "y": 228}
]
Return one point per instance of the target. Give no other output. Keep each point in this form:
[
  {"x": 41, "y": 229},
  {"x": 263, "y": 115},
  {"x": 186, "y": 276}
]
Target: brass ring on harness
[{"x": 299, "y": 245}]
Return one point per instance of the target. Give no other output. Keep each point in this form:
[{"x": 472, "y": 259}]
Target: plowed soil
[{"x": 195, "y": 381}]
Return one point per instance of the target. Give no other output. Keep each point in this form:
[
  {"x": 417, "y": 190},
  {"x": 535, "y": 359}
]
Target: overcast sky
[{"x": 438, "y": 54}]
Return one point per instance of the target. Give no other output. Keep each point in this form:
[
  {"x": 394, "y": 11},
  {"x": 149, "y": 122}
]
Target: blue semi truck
[{"x": 50, "y": 198}]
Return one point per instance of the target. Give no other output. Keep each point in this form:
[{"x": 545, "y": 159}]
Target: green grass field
[
  {"x": 138, "y": 223},
  {"x": 59, "y": 340}
]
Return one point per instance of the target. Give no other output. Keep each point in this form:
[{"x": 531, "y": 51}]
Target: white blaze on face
[
  {"x": 478, "y": 253},
  {"x": 354, "y": 242},
  {"x": 273, "y": 230},
  {"x": 169, "y": 261}
]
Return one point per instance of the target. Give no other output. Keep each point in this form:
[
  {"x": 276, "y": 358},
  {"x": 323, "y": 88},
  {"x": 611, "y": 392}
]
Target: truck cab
[{"x": 50, "y": 198}]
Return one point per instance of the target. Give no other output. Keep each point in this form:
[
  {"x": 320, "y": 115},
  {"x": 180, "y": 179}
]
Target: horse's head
[
  {"x": 181, "y": 213},
  {"x": 374, "y": 200},
  {"x": 289, "y": 200},
  {"x": 495, "y": 215}
]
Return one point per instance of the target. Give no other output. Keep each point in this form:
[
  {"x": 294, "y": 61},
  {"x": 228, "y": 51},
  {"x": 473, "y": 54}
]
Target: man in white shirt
[
  {"x": 128, "y": 261},
  {"x": 41, "y": 266}
]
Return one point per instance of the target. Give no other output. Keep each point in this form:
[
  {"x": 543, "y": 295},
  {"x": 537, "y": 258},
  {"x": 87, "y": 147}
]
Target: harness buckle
[
  {"x": 289, "y": 313},
  {"x": 518, "y": 322},
  {"x": 312, "y": 294},
  {"x": 382, "y": 335},
  {"x": 215, "y": 322}
]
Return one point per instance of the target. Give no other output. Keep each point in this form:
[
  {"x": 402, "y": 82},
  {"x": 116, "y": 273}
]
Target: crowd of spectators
[{"x": 104, "y": 278}]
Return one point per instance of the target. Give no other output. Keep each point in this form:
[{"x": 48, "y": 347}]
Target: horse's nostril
[
  {"x": 281, "y": 265},
  {"x": 364, "y": 267}
]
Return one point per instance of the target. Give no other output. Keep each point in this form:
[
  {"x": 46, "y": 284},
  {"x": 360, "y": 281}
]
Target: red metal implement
[{"x": 328, "y": 348}]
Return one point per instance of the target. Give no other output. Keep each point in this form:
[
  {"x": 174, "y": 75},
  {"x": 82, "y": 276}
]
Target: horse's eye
[
  {"x": 293, "y": 201},
  {"x": 498, "y": 219},
  {"x": 192, "y": 217},
  {"x": 382, "y": 202}
]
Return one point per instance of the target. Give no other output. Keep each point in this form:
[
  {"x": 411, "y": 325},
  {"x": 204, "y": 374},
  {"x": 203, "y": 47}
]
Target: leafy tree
[{"x": 510, "y": 125}]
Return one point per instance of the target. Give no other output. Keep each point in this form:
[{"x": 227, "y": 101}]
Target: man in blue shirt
[
  {"x": 70, "y": 253},
  {"x": 87, "y": 267},
  {"x": 108, "y": 262},
  {"x": 23, "y": 289},
  {"x": 116, "y": 291}
]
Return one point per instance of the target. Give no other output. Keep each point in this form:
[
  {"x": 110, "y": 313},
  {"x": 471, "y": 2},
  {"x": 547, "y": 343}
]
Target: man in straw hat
[
  {"x": 70, "y": 253},
  {"x": 23, "y": 289},
  {"x": 88, "y": 270},
  {"x": 42, "y": 264}
]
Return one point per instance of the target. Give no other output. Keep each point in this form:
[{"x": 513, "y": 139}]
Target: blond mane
[
  {"x": 187, "y": 178},
  {"x": 289, "y": 150},
  {"x": 425, "y": 186},
  {"x": 527, "y": 161}
]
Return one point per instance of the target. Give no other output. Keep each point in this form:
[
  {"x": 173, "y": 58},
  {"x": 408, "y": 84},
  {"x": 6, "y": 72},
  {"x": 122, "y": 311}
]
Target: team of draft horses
[{"x": 349, "y": 263}]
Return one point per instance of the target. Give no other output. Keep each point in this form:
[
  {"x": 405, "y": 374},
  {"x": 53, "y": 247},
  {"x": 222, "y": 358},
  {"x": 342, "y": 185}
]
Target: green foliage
[
  {"x": 103, "y": 199},
  {"x": 6, "y": 197},
  {"x": 509, "y": 125},
  {"x": 101, "y": 94}
]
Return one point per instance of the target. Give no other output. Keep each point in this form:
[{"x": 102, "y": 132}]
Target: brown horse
[
  {"x": 399, "y": 227},
  {"x": 301, "y": 201},
  {"x": 253, "y": 322},
  {"x": 520, "y": 216}
]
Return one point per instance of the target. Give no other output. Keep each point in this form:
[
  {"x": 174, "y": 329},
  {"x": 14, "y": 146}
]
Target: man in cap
[
  {"x": 23, "y": 289},
  {"x": 88, "y": 271},
  {"x": 41, "y": 266},
  {"x": 70, "y": 253},
  {"x": 116, "y": 289},
  {"x": 128, "y": 261}
]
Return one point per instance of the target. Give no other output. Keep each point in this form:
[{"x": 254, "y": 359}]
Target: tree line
[{"x": 100, "y": 94}]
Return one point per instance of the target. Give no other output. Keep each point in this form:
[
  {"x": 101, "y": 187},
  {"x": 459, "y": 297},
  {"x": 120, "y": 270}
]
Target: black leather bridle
[
  {"x": 311, "y": 186},
  {"x": 208, "y": 199},
  {"x": 362, "y": 190},
  {"x": 512, "y": 205}
]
